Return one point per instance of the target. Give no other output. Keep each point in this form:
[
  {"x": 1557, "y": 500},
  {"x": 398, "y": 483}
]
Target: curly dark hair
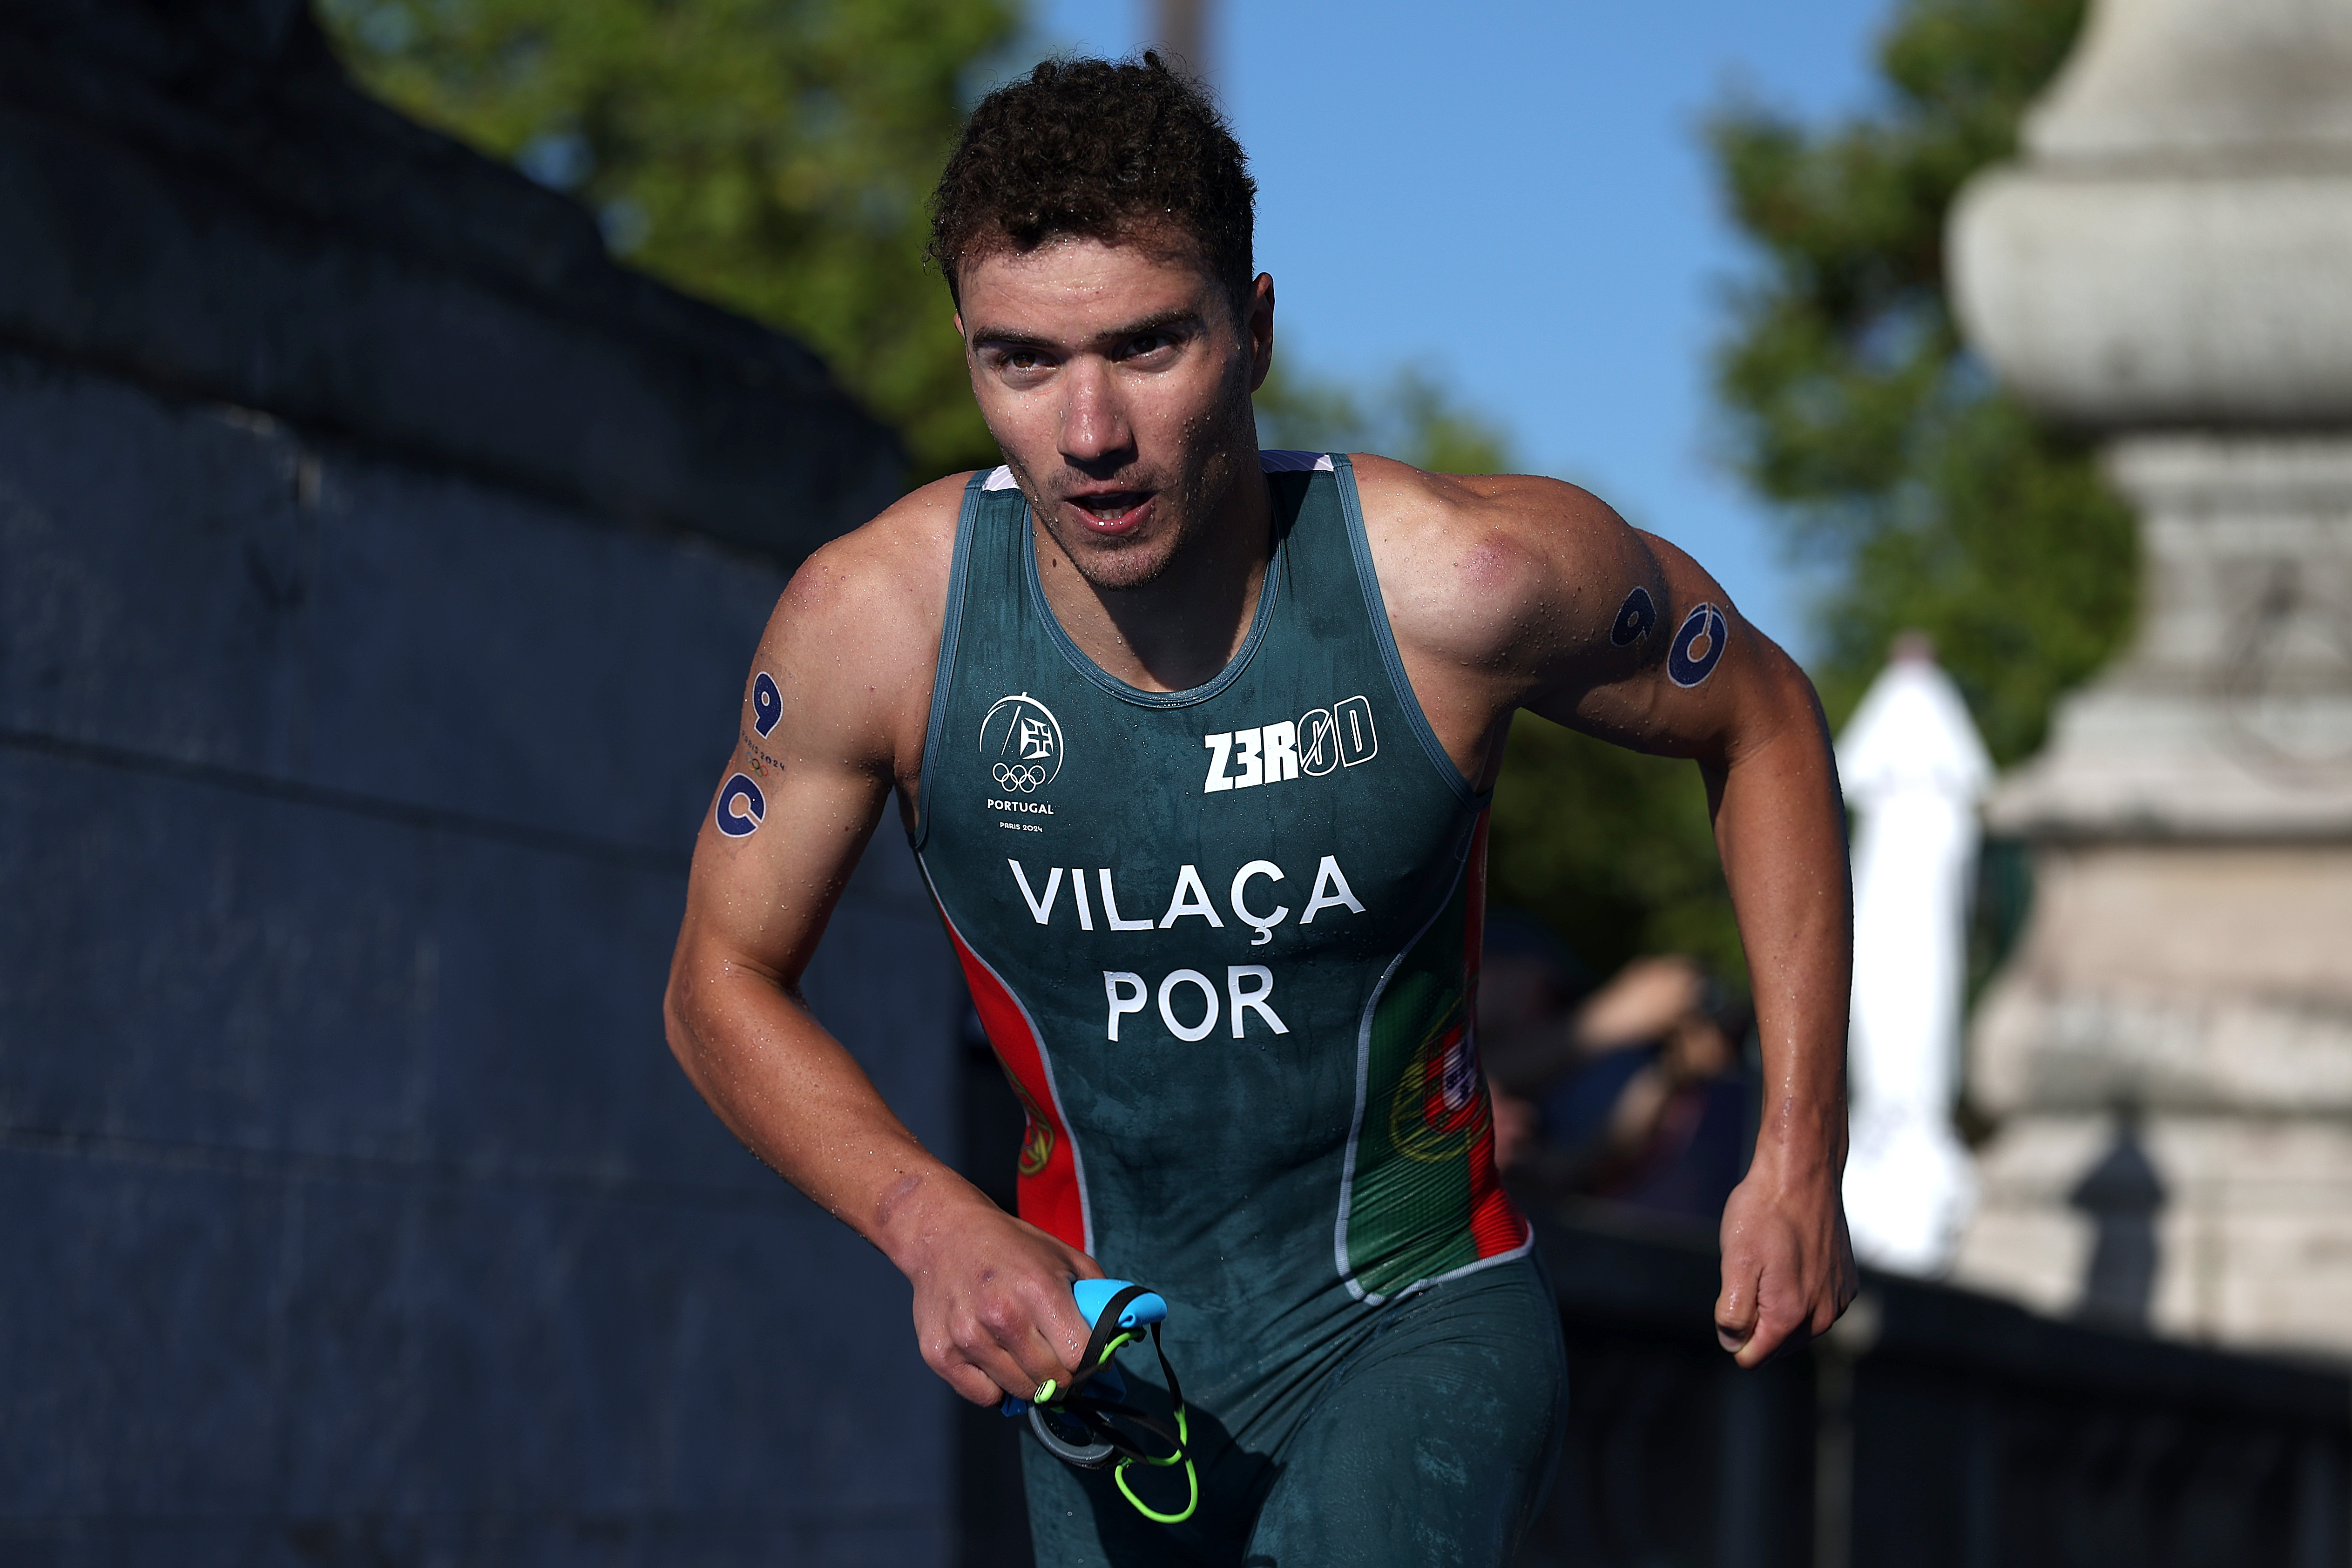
[{"x": 1107, "y": 150}]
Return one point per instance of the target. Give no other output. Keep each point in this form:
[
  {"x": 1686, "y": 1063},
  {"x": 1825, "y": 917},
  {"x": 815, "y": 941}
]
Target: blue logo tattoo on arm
[
  {"x": 741, "y": 807},
  {"x": 1635, "y": 616},
  {"x": 1699, "y": 646},
  {"x": 767, "y": 703}
]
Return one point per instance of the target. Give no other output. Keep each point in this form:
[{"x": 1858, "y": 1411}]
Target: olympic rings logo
[{"x": 1020, "y": 741}]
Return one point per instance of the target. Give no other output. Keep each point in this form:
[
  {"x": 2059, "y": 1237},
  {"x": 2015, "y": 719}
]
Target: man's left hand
[{"x": 1787, "y": 1261}]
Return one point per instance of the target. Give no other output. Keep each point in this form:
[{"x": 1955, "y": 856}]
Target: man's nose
[{"x": 1093, "y": 418}]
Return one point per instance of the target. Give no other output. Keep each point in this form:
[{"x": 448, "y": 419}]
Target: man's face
[{"x": 1118, "y": 382}]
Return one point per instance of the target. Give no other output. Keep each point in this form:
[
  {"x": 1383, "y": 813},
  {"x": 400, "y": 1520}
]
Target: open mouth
[{"x": 1113, "y": 511}]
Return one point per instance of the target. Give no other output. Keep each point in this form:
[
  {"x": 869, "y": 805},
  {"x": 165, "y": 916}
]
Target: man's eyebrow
[
  {"x": 1006, "y": 336},
  {"x": 1158, "y": 321}
]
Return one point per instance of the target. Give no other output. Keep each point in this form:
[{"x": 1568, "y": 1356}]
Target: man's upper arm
[
  {"x": 1649, "y": 651},
  {"x": 1516, "y": 591},
  {"x": 831, "y": 718}
]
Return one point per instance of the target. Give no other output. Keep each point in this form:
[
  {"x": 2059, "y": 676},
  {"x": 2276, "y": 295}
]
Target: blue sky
[{"x": 1514, "y": 196}]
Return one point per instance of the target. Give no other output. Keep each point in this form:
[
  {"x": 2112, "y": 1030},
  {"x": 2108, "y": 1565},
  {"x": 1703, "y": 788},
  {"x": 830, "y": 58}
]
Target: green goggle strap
[{"x": 1182, "y": 1456}]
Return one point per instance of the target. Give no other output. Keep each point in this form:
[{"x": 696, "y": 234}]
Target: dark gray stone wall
[
  {"x": 357, "y": 1210},
  {"x": 378, "y": 565},
  {"x": 193, "y": 196}
]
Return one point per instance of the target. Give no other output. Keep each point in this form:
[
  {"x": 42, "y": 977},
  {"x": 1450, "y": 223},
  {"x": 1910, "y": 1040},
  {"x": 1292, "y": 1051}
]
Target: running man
[{"x": 1194, "y": 744}]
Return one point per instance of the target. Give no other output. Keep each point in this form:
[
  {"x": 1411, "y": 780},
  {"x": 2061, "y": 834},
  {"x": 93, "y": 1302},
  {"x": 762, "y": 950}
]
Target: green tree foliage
[
  {"x": 1411, "y": 416},
  {"x": 1927, "y": 498},
  {"x": 1611, "y": 848},
  {"x": 773, "y": 156}
]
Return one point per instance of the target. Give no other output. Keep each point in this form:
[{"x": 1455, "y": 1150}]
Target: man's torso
[{"x": 1275, "y": 1119}]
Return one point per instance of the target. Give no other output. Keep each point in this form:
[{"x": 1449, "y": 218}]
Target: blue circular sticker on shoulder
[
  {"x": 767, "y": 703},
  {"x": 1699, "y": 646},
  {"x": 741, "y": 807},
  {"x": 1635, "y": 616}
]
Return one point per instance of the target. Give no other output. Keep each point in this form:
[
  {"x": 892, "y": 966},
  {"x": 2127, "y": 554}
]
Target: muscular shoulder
[
  {"x": 856, "y": 632},
  {"x": 1502, "y": 576}
]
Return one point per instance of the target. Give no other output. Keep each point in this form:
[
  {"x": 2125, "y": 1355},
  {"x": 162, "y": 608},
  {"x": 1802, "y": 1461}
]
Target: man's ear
[{"x": 1259, "y": 324}]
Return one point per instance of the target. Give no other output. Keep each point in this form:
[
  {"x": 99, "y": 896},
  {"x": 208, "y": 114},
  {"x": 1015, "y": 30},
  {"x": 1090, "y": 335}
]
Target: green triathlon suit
[{"x": 1225, "y": 942}]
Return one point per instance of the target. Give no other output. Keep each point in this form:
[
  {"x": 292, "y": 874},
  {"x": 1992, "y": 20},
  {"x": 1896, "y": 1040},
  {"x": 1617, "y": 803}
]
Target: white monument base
[
  {"x": 2189, "y": 957},
  {"x": 2255, "y": 1242}
]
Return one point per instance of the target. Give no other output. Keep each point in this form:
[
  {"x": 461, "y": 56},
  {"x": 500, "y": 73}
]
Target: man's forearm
[
  {"x": 1788, "y": 1268},
  {"x": 992, "y": 1302},
  {"x": 1780, "y": 829},
  {"x": 795, "y": 1097}
]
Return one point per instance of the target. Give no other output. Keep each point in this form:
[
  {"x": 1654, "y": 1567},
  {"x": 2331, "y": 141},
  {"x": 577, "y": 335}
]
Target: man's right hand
[{"x": 993, "y": 1312}]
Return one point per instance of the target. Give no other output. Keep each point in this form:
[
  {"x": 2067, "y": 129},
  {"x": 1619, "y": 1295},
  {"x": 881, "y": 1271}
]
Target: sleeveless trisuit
[{"x": 1225, "y": 942}]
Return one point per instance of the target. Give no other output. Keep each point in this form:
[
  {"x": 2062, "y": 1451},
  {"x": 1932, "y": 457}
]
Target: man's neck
[{"x": 1183, "y": 627}]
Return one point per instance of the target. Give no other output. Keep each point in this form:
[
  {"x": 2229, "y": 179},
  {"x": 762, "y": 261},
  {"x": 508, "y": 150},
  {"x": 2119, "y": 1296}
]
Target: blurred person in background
[
  {"x": 1194, "y": 744},
  {"x": 1641, "y": 1097}
]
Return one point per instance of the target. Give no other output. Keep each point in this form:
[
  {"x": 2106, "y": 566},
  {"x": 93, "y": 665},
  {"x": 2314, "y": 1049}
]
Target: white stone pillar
[{"x": 2172, "y": 264}]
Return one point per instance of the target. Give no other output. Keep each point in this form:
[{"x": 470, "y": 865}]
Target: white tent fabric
[{"x": 1913, "y": 768}]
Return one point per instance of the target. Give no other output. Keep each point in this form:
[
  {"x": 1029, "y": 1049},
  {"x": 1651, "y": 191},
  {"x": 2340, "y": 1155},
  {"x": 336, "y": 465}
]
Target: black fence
[{"x": 1932, "y": 1427}]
